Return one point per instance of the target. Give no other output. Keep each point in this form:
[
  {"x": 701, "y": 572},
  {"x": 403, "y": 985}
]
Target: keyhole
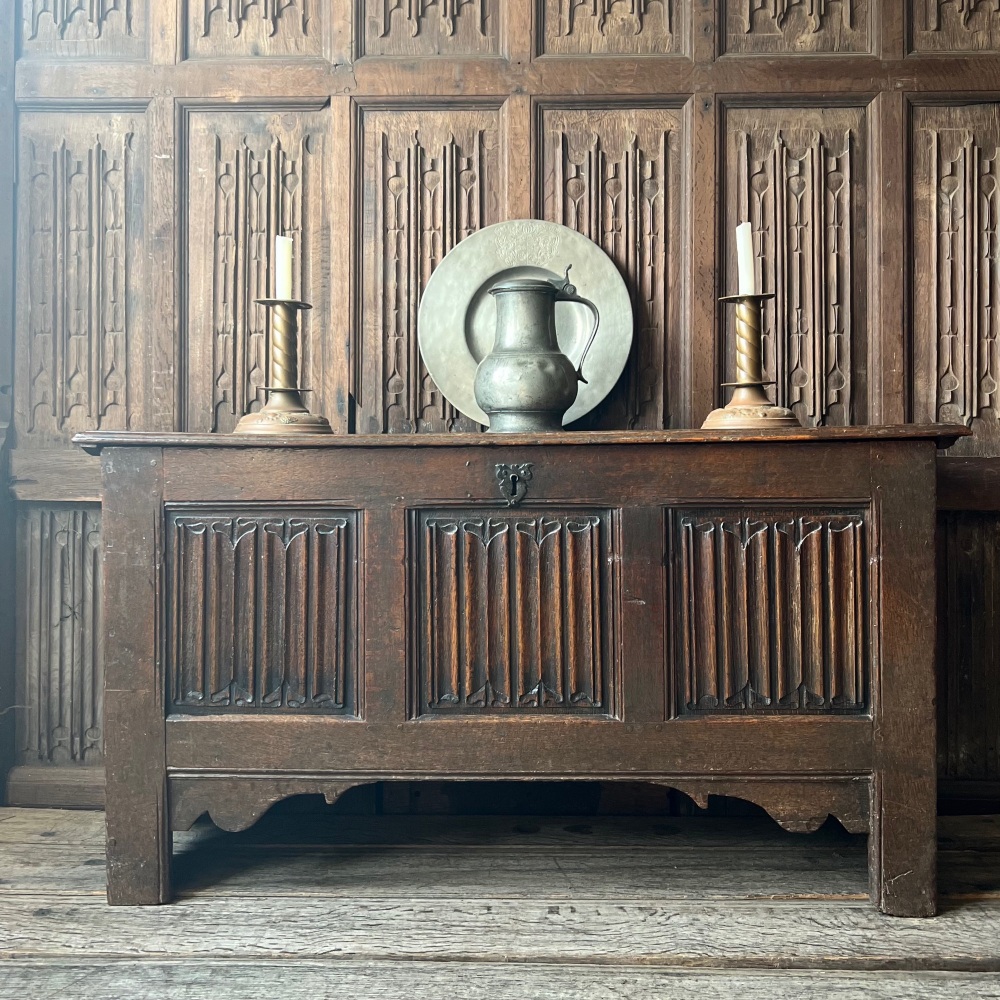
[{"x": 513, "y": 485}]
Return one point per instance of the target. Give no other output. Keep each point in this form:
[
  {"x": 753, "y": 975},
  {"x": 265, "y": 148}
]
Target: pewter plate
[{"x": 456, "y": 321}]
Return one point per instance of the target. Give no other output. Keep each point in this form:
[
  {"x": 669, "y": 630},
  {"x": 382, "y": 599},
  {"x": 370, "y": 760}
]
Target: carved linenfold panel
[
  {"x": 614, "y": 175},
  {"x": 798, "y": 26},
  {"x": 255, "y": 27},
  {"x": 106, "y": 29},
  {"x": 262, "y": 610},
  {"x": 800, "y": 176},
  {"x": 523, "y": 612},
  {"x": 78, "y": 360},
  {"x": 968, "y": 625},
  {"x": 429, "y": 27},
  {"x": 772, "y": 608},
  {"x": 432, "y": 179},
  {"x": 625, "y": 27},
  {"x": 252, "y": 175},
  {"x": 60, "y": 676},
  {"x": 956, "y": 286},
  {"x": 954, "y": 25}
]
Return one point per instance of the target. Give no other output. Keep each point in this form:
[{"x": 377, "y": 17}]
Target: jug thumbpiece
[{"x": 567, "y": 293}]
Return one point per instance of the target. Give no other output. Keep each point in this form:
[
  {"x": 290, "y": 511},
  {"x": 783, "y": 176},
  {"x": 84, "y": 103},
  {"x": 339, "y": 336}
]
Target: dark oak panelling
[
  {"x": 255, "y": 27},
  {"x": 102, "y": 29},
  {"x": 614, "y": 174},
  {"x": 798, "y": 26},
  {"x": 954, "y": 25},
  {"x": 524, "y": 613},
  {"x": 772, "y": 611},
  {"x": 251, "y": 175},
  {"x": 432, "y": 155},
  {"x": 431, "y": 178},
  {"x": 428, "y": 27},
  {"x": 79, "y": 344},
  {"x": 956, "y": 284},
  {"x": 60, "y": 684},
  {"x": 9, "y": 582},
  {"x": 612, "y": 27},
  {"x": 263, "y": 611},
  {"x": 800, "y": 176},
  {"x": 969, "y": 650}
]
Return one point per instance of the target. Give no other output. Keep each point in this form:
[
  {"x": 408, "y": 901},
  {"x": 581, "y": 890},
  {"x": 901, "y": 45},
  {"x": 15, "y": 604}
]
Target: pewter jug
[{"x": 526, "y": 383}]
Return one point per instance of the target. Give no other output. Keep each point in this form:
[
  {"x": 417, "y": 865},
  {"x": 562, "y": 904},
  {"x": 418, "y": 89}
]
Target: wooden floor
[{"x": 324, "y": 905}]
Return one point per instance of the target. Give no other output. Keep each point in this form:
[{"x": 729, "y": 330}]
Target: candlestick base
[
  {"x": 284, "y": 413},
  {"x": 750, "y": 409}
]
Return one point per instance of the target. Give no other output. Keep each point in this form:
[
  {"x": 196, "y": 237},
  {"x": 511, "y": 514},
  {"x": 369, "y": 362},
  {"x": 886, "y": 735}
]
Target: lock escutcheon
[{"x": 513, "y": 481}]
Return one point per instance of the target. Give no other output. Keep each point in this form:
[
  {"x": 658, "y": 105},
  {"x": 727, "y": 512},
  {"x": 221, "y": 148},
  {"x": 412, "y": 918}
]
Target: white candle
[
  {"x": 282, "y": 267},
  {"x": 746, "y": 275}
]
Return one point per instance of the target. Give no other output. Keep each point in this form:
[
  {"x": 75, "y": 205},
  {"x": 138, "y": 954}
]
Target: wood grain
[
  {"x": 597, "y": 874},
  {"x": 788, "y": 26},
  {"x": 515, "y": 613},
  {"x": 114, "y": 30},
  {"x": 263, "y": 610},
  {"x": 81, "y": 225},
  {"x": 133, "y": 93},
  {"x": 956, "y": 202},
  {"x": 772, "y": 609},
  {"x": 61, "y": 641},
  {"x": 969, "y": 606},
  {"x": 800, "y": 177},
  {"x": 511, "y": 664},
  {"x": 249, "y": 176},
  {"x": 8, "y": 510},
  {"x": 138, "y": 844},
  {"x": 613, "y": 173},
  {"x": 216, "y": 29},
  {"x": 654, "y": 932},
  {"x": 75, "y": 979}
]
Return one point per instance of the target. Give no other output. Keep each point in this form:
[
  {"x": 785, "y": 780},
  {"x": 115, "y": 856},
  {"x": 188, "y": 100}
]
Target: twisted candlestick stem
[
  {"x": 749, "y": 367},
  {"x": 284, "y": 347}
]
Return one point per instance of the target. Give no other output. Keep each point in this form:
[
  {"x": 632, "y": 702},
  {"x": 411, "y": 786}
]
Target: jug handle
[{"x": 567, "y": 293}]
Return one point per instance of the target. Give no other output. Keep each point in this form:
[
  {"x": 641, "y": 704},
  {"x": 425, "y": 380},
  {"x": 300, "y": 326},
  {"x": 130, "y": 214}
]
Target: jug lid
[{"x": 523, "y": 285}]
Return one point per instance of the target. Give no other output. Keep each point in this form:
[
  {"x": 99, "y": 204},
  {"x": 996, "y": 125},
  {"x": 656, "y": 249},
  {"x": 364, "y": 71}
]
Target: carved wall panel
[
  {"x": 614, "y": 174},
  {"x": 251, "y": 175},
  {"x": 968, "y": 628},
  {"x": 525, "y": 612},
  {"x": 612, "y": 27},
  {"x": 956, "y": 285},
  {"x": 800, "y": 176},
  {"x": 263, "y": 610},
  {"x": 798, "y": 26},
  {"x": 428, "y": 27},
  {"x": 255, "y": 27},
  {"x": 431, "y": 179},
  {"x": 954, "y": 25},
  {"x": 60, "y": 678},
  {"x": 81, "y": 233},
  {"x": 101, "y": 29},
  {"x": 772, "y": 608}
]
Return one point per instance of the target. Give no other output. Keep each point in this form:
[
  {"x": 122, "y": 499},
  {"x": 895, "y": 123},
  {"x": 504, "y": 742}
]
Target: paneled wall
[{"x": 161, "y": 144}]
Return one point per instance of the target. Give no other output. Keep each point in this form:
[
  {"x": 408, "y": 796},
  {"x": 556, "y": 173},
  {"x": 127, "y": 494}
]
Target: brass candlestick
[
  {"x": 749, "y": 407},
  {"x": 284, "y": 412}
]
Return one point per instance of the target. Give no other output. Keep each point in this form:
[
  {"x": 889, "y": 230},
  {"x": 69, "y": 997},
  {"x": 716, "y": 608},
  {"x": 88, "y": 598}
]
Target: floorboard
[
  {"x": 317, "y": 904},
  {"x": 235, "y": 980}
]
